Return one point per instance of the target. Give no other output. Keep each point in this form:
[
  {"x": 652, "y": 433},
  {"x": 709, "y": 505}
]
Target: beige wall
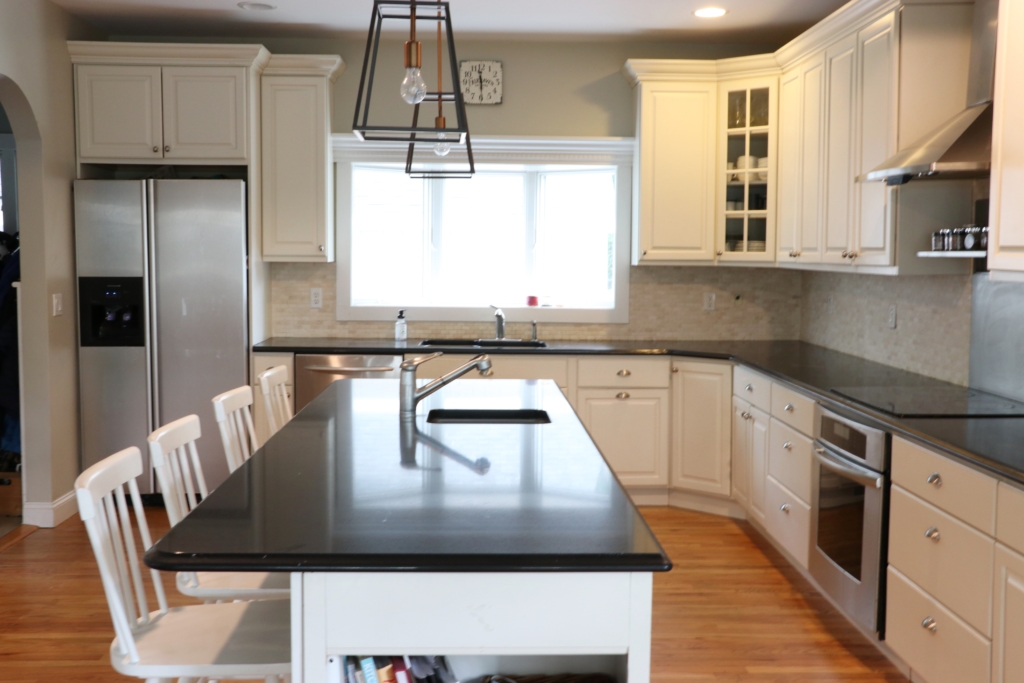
[
  {"x": 933, "y": 320},
  {"x": 36, "y": 90}
]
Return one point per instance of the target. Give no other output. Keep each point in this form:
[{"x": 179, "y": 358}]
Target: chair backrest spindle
[
  {"x": 275, "y": 397},
  {"x": 234, "y": 420},
  {"x": 172, "y": 451}
]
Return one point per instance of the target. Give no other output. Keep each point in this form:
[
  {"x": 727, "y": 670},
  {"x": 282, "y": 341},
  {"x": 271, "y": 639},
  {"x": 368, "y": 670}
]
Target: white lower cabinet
[
  {"x": 789, "y": 459},
  {"x": 631, "y": 429},
  {"x": 741, "y": 452},
  {"x": 759, "y": 444},
  {"x": 788, "y": 520},
  {"x": 750, "y": 443},
  {"x": 935, "y": 642},
  {"x": 700, "y": 426},
  {"x": 1008, "y": 629}
]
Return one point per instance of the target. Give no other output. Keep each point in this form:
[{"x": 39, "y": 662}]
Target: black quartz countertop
[
  {"x": 995, "y": 444},
  {"x": 344, "y": 487}
]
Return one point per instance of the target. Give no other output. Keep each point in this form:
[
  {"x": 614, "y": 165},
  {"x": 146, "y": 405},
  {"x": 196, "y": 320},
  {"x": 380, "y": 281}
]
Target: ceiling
[{"x": 756, "y": 21}]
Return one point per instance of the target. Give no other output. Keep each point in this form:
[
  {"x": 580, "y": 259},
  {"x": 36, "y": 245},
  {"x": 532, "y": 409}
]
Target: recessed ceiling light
[
  {"x": 257, "y": 6},
  {"x": 710, "y": 12}
]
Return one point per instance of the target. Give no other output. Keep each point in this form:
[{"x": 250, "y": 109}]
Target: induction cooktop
[{"x": 941, "y": 401}]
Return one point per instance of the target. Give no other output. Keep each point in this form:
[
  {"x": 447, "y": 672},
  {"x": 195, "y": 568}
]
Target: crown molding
[
  {"x": 751, "y": 65},
  {"x": 168, "y": 54},
  {"x": 649, "y": 70},
  {"x": 847, "y": 18},
  {"x": 327, "y": 66},
  {"x": 502, "y": 149}
]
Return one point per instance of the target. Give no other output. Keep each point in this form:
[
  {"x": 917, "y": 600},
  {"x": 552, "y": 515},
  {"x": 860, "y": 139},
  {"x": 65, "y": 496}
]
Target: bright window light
[{"x": 710, "y": 12}]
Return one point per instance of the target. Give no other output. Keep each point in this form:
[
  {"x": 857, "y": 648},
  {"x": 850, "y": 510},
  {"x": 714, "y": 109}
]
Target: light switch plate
[
  {"x": 709, "y": 301},
  {"x": 58, "y": 304},
  {"x": 316, "y": 297}
]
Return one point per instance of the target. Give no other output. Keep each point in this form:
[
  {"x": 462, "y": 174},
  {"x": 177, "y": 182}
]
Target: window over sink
[{"x": 544, "y": 240}]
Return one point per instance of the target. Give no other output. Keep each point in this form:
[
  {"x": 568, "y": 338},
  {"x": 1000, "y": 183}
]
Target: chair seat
[
  {"x": 235, "y": 585},
  {"x": 227, "y": 640}
]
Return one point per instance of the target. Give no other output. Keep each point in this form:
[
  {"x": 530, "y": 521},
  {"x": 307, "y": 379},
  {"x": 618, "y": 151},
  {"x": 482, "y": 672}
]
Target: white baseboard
[
  {"x": 648, "y": 496},
  {"x": 49, "y": 515},
  {"x": 725, "y": 507}
]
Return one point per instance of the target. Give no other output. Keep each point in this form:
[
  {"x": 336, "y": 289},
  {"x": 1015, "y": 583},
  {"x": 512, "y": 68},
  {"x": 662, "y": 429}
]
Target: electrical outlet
[
  {"x": 709, "y": 301},
  {"x": 316, "y": 297},
  {"x": 58, "y": 304},
  {"x": 892, "y": 316},
  {"x": 831, "y": 305}
]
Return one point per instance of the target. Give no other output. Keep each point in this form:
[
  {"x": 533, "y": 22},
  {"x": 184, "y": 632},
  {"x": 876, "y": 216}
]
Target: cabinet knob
[
  {"x": 719, "y": 252},
  {"x": 789, "y": 407},
  {"x": 623, "y": 373},
  {"x": 934, "y": 478},
  {"x": 785, "y": 508},
  {"x": 321, "y": 247},
  {"x": 745, "y": 415},
  {"x": 156, "y": 149},
  {"x": 645, "y": 252},
  {"x": 852, "y": 255},
  {"x": 930, "y": 624},
  {"x": 845, "y": 253},
  {"x": 167, "y": 148},
  {"x": 749, "y": 387},
  {"x": 788, "y": 445},
  {"x": 622, "y": 395},
  {"x": 932, "y": 533},
  {"x": 675, "y": 368},
  {"x": 797, "y": 254}
]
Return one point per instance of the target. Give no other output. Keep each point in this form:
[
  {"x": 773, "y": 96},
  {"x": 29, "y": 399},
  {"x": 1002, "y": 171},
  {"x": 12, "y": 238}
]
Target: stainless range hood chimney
[{"x": 962, "y": 146}]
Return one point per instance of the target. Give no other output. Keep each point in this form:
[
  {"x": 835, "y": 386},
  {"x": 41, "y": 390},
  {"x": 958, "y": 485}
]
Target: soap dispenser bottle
[{"x": 401, "y": 331}]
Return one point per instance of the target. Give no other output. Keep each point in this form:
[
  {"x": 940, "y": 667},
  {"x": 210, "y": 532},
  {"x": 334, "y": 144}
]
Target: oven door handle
[
  {"x": 336, "y": 370},
  {"x": 861, "y": 475}
]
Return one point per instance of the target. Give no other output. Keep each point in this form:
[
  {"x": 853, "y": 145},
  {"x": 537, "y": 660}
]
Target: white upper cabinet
[
  {"x": 204, "y": 112},
  {"x": 1006, "y": 214},
  {"x": 160, "y": 103},
  {"x": 674, "y": 188},
  {"x": 298, "y": 217},
  {"x": 837, "y": 228},
  {"x": 119, "y": 112}
]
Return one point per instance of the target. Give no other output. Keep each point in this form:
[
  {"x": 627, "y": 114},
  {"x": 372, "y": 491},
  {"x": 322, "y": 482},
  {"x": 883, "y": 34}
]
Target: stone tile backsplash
[{"x": 932, "y": 334}]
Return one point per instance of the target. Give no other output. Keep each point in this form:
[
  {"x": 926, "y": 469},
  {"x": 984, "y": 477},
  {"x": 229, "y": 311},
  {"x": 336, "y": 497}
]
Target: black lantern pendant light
[{"x": 428, "y": 146}]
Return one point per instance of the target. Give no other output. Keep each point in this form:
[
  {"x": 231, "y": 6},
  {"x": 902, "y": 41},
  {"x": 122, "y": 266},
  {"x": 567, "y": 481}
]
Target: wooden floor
[{"x": 730, "y": 610}]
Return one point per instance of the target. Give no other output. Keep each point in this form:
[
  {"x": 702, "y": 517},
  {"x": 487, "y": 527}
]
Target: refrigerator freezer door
[
  {"x": 115, "y": 402},
  {"x": 110, "y": 219},
  {"x": 199, "y": 298}
]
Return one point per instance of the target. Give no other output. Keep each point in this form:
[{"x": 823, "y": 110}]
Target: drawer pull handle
[
  {"x": 749, "y": 387},
  {"x": 933, "y": 533},
  {"x": 789, "y": 407},
  {"x": 935, "y": 478},
  {"x": 167, "y": 148},
  {"x": 788, "y": 445},
  {"x": 623, "y": 373},
  {"x": 622, "y": 394},
  {"x": 930, "y": 624},
  {"x": 785, "y": 508},
  {"x": 675, "y": 368},
  {"x": 156, "y": 149},
  {"x": 745, "y": 415}
]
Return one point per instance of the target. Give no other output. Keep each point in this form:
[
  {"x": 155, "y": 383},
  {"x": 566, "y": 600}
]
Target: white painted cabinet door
[
  {"x": 790, "y": 114},
  {"x": 297, "y": 197},
  {"x": 205, "y": 112},
  {"x": 701, "y": 406},
  {"x": 1006, "y": 217},
  {"x": 741, "y": 430},
  {"x": 877, "y": 74},
  {"x": 675, "y": 211},
  {"x": 631, "y": 428},
  {"x": 119, "y": 112},
  {"x": 759, "y": 445},
  {"x": 1008, "y": 605},
  {"x": 837, "y": 229}
]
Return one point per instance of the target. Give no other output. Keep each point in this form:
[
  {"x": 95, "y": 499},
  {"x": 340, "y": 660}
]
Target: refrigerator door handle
[
  {"x": 147, "y": 302},
  {"x": 154, "y": 376}
]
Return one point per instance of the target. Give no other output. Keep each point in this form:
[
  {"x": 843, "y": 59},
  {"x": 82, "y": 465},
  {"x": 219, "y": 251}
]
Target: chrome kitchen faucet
[{"x": 409, "y": 396}]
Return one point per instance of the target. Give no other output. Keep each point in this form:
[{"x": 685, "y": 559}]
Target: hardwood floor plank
[
  {"x": 12, "y": 537},
  {"x": 731, "y": 610}
]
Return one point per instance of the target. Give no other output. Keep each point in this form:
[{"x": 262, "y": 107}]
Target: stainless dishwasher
[{"x": 315, "y": 372}]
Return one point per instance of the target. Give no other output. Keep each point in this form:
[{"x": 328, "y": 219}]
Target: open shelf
[{"x": 953, "y": 254}]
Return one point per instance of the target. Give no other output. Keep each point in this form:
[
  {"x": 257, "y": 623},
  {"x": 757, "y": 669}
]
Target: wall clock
[{"x": 481, "y": 81}]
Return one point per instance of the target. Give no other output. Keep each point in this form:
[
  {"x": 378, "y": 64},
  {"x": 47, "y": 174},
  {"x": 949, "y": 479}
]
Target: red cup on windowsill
[{"x": 532, "y": 301}]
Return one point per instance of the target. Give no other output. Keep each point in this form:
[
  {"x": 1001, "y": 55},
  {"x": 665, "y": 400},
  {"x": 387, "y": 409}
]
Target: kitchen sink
[
  {"x": 488, "y": 343},
  {"x": 473, "y": 416}
]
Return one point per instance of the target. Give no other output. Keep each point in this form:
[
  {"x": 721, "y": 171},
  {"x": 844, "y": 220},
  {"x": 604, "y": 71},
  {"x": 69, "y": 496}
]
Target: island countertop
[{"x": 344, "y": 487}]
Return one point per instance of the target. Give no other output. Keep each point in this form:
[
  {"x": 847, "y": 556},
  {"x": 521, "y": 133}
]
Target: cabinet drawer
[
  {"x": 954, "y": 563},
  {"x": 624, "y": 371},
  {"x": 789, "y": 459},
  {"x": 793, "y": 408},
  {"x": 1009, "y": 514},
  {"x": 957, "y": 489},
  {"x": 752, "y": 387},
  {"x": 788, "y": 520},
  {"x": 952, "y": 653}
]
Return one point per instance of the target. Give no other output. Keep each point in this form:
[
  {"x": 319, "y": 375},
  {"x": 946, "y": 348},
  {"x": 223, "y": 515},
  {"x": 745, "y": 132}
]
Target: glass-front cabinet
[{"x": 745, "y": 214}]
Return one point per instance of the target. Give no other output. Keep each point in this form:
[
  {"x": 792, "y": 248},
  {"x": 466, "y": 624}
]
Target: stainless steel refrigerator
[{"x": 163, "y": 318}]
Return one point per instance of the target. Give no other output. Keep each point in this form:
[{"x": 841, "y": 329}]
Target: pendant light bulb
[
  {"x": 414, "y": 88},
  {"x": 442, "y": 148}
]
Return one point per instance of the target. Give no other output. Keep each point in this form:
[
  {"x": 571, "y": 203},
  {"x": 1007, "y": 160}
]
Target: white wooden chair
[
  {"x": 275, "y": 397},
  {"x": 237, "y": 640},
  {"x": 172, "y": 452},
  {"x": 234, "y": 420}
]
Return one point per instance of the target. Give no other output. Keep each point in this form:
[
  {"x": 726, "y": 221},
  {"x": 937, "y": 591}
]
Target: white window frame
[{"x": 617, "y": 152}]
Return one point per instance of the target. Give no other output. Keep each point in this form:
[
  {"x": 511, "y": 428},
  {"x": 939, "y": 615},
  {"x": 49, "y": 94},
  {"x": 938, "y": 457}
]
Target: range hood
[{"x": 962, "y": 146}]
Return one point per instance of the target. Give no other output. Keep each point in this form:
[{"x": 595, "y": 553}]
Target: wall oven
[{"x": 850, "y": 516}]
